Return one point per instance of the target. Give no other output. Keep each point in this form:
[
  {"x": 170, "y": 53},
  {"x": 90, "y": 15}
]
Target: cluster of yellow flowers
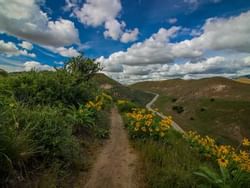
[
  {"x": 144, "y": 123},
  {"x": 225, "y": 155},
  {"x": 99, "y": 102}
]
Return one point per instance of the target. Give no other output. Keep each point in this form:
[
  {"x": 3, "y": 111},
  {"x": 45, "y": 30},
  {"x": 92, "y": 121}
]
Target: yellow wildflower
[
  {"x": 245, "y": 142},
  {"x": 222, "y": 162}
]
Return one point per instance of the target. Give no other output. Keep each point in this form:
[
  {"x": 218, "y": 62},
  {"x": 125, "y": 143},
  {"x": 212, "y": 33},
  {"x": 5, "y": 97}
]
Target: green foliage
[
  {"x": 3, "y": 73},
  {"x": 45, "y": 122},
  {"x": 84, "y": 67},
  {"x": 178, "y": 109},
  {"x": 51, "y": 88},
  {"x": 168, "y": 163},
  {"x": 16, "y": 149},
  {"x": 125, "y": 105},
  {"x": 224, "y": 178}
]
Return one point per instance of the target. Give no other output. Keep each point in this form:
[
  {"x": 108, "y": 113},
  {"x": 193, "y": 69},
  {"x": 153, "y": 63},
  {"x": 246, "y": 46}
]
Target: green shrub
[
  {"x": 125, "y": 105},
  {"x": 51, "y": 88},
  {"x": 178, "y": 109},
  {"x": 16, "y": 149}
]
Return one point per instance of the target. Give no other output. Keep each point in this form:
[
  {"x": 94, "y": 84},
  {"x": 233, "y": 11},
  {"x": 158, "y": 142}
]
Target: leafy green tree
[{"x": 83, "y": 67}]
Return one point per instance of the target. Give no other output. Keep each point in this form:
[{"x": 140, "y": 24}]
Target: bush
[
  {"x": 212, "y": 99},
  {"x": 16, "y": 149},
  {"x": 178, "y": 109},
  {"x": 51, "y": 88},
  {"x": 203, "y": 109},
  {"x": 174, "y": 99},
  {"x": 125, "y": 106}
]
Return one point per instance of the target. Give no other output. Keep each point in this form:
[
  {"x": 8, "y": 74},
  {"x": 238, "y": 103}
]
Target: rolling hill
[
  {"x": 216, "y": 106},
  {"x": 120, "y": 91},
  {"x": 245, "y": 80}
]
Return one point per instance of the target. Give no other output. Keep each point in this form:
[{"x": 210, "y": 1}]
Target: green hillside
[
  {"x": 217, "y": 106},
  {"x": 119, "y": 91}
]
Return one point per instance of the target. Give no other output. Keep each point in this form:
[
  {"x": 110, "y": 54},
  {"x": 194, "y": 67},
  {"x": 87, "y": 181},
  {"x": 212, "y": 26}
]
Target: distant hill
[
  {"x": 244, "y": 79},
  {"x": 3, "y": 72},
  {"x": 119, "y": 91},
  {"x": 217, "y": 106},
  {"x": 216, "y": 87}
]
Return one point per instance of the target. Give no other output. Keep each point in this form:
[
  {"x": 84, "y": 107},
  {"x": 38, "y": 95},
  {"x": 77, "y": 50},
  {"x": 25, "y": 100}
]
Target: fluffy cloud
[
  {"x": 34, "y": 65},
  {"x": 104, "y": 12},
  {"x": 96, "y": 12},
  {"x": 130, "y": 35},
  {"x": 66, "y": 52},
  {"x": 25, "y": 20},
  {"x": 220, "y": 33},
  {"x": 113, "y": 29},
  {"x": 26, "y": 45},
  {"x": 217, "y": 34},
  {"x": 214, "y": 66},
  {"x": 154, "y": 50},
  {"x": 10, "y": 49},
  {"x": 172, "y": 20}
]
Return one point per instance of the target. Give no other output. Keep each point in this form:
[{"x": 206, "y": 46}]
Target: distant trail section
[
  {"x": 116, "y": 165},
  {"x": 148, "y": 106}
]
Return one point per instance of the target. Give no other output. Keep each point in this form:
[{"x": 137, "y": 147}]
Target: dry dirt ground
[{"x": 116, "y": 164}]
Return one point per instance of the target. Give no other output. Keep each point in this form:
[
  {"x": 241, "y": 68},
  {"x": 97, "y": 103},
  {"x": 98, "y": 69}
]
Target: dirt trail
[
  {"x": 148, "y": 106},
  {"x": 115, "y": 166}
]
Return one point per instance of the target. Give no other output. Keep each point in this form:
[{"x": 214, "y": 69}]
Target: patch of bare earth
[
  {"x": 116, "y": 165},
  {"x": 106, "y": 86}
]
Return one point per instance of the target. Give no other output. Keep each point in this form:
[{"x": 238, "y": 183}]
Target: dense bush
[
  {"x": 125, "y": 105},
  {"x": 45, "y": 117},
  {"x": 51, "y": 88},
  {"x": 178, "y": 109}
]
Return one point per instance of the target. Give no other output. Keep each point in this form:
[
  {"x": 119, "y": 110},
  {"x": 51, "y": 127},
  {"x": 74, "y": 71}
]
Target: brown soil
[{"x": 116, "y": 165}]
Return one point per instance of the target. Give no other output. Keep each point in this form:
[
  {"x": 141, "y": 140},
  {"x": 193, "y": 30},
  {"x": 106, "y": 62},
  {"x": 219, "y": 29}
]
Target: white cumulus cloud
[
  {"x": 34, "y": 65},
  {"x": 26, "y": 45},
  {"x": 10, "y": 49},
  {"x": 229, "y": 36},
  {"x": 104, "y": 12},
  {"x": 25, "y": 20}
]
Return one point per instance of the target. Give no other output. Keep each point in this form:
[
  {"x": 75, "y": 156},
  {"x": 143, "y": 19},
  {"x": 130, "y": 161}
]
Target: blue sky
[{"x": 134, "y": 39}]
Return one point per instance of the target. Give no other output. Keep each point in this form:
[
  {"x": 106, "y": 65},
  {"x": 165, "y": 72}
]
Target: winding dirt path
[
  {"x": 148, "y": 106},
  {"x": 115, "y": 166}
]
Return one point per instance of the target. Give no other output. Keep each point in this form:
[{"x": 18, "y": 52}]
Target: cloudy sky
[{"x": 134, "y": 40}]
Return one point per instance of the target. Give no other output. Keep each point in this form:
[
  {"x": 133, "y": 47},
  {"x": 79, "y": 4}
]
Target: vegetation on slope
[
  {"x": 217, "y": 107},
  {"x": 119, "y": 91},
  {"x": 243, "y": 80},
  {"x": 171, "y": 159},
  {"x": 49, "y": 123},
  {"x": 3, "y": 72}
]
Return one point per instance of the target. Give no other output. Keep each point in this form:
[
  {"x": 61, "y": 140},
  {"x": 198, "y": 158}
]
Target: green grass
[
  {"x": 219, "y": 118},
  {"x": 215, "y": 106},
  {"x": 168, "y": 163}
]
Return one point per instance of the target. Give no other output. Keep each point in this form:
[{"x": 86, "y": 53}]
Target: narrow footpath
[
  {"x": 148, "y": 106},
  {"x": 115, "y": 166}
]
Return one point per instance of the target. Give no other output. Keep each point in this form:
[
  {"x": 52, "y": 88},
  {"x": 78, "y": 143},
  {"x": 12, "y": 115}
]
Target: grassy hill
[
  {"x": 3, "y": 72},
  {"x": 244, "y": 80},
  {"x": 216, "y": 106},
  {"x": 119, "y": 91}
]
